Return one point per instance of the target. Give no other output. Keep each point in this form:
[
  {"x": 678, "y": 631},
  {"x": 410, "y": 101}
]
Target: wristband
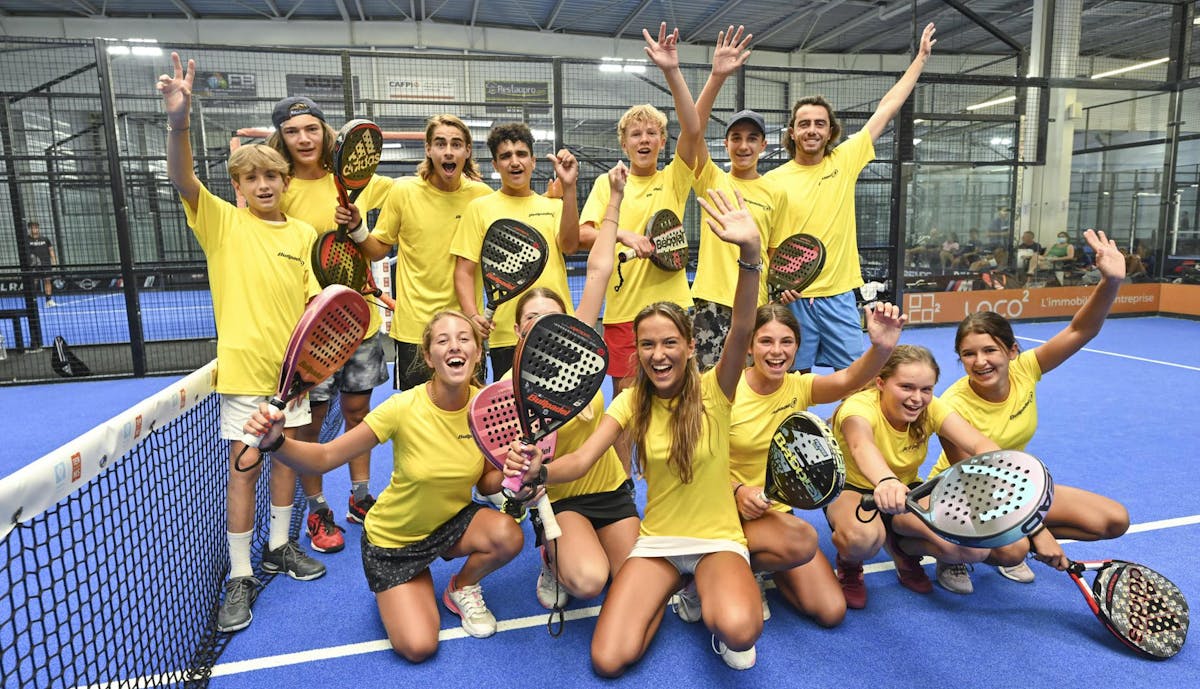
[
  {"x": 754, "y": 267},
  {"x": 540, "y": 479},
  {"x": 275, "y": 445},
  {"x": 359, "y": 234},
  {"x": 737, "y": 488},
  {"x": 887, "y": 478}
]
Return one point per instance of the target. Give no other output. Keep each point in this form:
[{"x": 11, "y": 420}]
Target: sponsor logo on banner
[
  {"x": 319, "y": 87},
  {"x": 1051, "y": 302},
  {"x": 412, "y": 88},
  {"x": 60, "y": 475},
  {"x": 182, "y": 398},
  {"x": 76, "y": 467},
  {"x": 137, "y": 426}
]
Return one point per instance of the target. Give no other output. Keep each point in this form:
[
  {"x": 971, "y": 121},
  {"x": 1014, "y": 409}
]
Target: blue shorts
[{"x": 830, "y": 331}]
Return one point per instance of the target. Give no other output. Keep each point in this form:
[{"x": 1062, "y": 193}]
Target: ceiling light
[
  {"x": 990, "y": 103},
  {"x": 1130, "y": 68}
]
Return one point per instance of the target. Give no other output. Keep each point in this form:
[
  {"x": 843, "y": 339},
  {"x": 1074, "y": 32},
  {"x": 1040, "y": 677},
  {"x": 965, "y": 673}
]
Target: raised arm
[
  {"x": 176, "y": 91},
  {"x": 884, "y": 323},
  {"x": 729, "y": 54},
  {"x": 1090, "y": 317},
  {"x": 732, "y": 223},
  {"x": 665, "y": 54},
  {"x": 602, "y": 256},
  {"x": 890, "y": 104},
  {"x": 566, "y": 171}
]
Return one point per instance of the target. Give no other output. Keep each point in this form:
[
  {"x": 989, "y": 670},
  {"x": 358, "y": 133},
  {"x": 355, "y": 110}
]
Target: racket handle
[
  {"x": 550, "y": 528},
  {"x": 867, "y": 502},
  {"x": 251, "y": 440},
  {"x": 627, "y": 255},
  {"x": 512, "y": 483}
]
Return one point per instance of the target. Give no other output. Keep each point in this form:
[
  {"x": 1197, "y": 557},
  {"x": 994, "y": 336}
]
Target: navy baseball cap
[
  {"x": 288, "y": 108},
  {"x": 747, "y": 116}
]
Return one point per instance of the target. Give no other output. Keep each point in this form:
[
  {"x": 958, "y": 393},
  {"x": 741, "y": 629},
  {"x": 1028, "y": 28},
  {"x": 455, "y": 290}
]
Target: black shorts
[
  {"x": 601, "y": 509},
  {"x": 410, "y": 369},
  {"x": 389, "y": 567}
]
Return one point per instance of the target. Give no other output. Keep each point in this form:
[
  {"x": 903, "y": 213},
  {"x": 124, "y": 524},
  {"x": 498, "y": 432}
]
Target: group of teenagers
[{"x": 702, "y": 374}]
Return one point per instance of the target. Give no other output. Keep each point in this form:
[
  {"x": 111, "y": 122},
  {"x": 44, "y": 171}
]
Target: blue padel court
[{"x": 1118, "y": 418}]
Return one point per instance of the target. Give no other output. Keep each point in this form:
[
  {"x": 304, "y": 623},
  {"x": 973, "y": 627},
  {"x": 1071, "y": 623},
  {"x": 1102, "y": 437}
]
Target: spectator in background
[
  {"x": 1027, "y": 248},
  {"x": 42, "y": 255},
  {"x": 949, "y": 253},
  {"x": 1057, "y": 258},
  {"x": 1000, "y": 231}
]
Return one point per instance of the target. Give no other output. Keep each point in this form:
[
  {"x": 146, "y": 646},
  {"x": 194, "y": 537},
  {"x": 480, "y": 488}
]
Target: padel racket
[
  {"x": 356, "y": 154},
  {"x": 795, "y": 264},
  {"x": 492, "y": 417},
  {"x": 337, "y": 260},
  {"x": 558, "y": 368},
  {"x": 986, "y": 501},
  {"x": 805, "y": 468},
  {"x": 670, "y": 245},
  {"x": 512, "y": 258},
  {"x": 1139, "y": 606},
  {"x": 329, "y": 330}
]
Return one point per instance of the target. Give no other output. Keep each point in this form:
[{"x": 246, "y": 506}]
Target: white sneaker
[
  {"x": 50, "y": 302},
  {"x": 762, "y": 588},
  {"x": 550, "y": 592},
  {"x": 468, "y": 604},
  {"x": 687, "y": 603},
  {"x": 738, "y": 660},
  {"x": 1019, "y": 572},
  {"x": 955, "y": 578}
]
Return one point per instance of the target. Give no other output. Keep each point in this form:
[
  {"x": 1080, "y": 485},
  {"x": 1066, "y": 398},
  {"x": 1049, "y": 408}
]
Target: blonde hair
[
  {"x": 687, "y": 410},
  {"x": 641, "y": 113},
  {"x": 427, "y": 168},
  {"x": 255, "y": 157},
  {"x": 427, "y": 339},
  {"x": 918, "y": 431},
  {"x": 328, "y": 139}
]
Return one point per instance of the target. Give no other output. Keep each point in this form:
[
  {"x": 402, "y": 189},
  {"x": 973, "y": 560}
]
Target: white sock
[
  {"x": 239, "y": 554},
  {"x": 281, "y": 526}
]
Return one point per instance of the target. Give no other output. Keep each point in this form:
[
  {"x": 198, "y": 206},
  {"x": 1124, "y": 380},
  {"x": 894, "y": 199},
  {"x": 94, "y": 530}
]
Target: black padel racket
[
  {"x": 670, "y": 245},
  {"x": 356, "y": 154},
  {"x": 493, "y": 420},
  {"x": 324, "y": 339},
  {"x": 511, "y": 259},
  {"x": 337, "y": 260},
  {"x": 986, "y": 501},
  {"x": 796, "y": 263},
  {"x": 558, "y": 368},
  {"x": 1139, "y": 606},
  {"x": 805, "y": 468}
]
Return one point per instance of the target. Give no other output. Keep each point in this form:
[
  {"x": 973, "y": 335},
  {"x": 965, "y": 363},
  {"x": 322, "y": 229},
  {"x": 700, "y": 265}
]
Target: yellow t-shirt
[
  {"x": 753, "y": 421},
  {"x": 902, "y": 455},
  {"x": 537, "y": 211},
  {"x": 315, "y": 200},
  {"x": 645, "y": 283},
  {"x": 260, "y": 278},
  {"x": 435, "y": 463},
  {"x": 420, "y": 219},
  {"x": 821, "y": 203},
  {"x": 716, "y": 270},
  {"x": 703, "y": 508},
  {"x": 1011, "y": 423},
  {"x": 605, "y": 475}
]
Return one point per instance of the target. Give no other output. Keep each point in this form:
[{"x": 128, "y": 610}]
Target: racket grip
[
  {"x": 550, "y": 528},
  {"x": 627, "y": 255},
  {"x": 251, "y": 440},
  {"x": 512, "y": 483},
  {"x": 867, "y": 502}
]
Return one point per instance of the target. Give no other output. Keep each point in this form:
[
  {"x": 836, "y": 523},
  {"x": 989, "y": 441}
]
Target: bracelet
[
  {"x": 611, "y": 220},
  {"x": 737, "y": 488},
  {"x": 359, "y": 234},
  {"x": 887, "y": 478},
  {"x": 178, "y": 129},
  {"x": 540, "y": 479},
  {"x": 754, "y": 267}
]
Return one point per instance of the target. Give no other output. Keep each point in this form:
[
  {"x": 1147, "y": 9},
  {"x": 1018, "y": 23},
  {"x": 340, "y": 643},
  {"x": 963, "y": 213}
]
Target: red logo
[
  {"x": 76, "y": 467},
  {"x": 182, "y": 398},
  {"x": 137, "y": 426}
]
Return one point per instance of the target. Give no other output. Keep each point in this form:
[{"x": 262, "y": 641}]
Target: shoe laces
[
  {"x": 238, "y": 590},
  {"x": 326, "y": 523},
  {"x": 470, "y": 600},
  {"x": 366, "y": 503},
  {"x": 960, "y": 570}
]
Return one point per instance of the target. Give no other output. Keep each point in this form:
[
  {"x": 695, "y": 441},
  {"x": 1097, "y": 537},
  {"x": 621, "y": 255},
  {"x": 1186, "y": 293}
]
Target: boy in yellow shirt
[{"x": 260, "y": 280}]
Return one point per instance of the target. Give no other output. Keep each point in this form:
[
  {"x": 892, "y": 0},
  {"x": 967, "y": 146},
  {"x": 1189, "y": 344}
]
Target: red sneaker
[
  {"x": 850, "y": 576},
  {"x": 908, "y": 568},
  {"x": 325, "y": 535},
  {"x": 357, "y": 511}
]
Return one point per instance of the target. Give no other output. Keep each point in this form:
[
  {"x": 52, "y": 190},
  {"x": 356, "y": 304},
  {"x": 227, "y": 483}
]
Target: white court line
[
  {"x": 240, "y": 666},
  {"x": 1121, "y": 356}
]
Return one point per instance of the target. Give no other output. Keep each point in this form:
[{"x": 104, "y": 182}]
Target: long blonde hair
[
  {"x": 687, "y": 410},
  {"x": 427, "y": 168},
  {"x": 427, "y": 340}
]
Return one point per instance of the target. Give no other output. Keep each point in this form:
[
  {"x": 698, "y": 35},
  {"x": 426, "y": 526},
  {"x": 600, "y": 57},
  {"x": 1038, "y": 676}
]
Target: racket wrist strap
[
  {"x": 360, "y": 233},
  {"x": 275, "y": 445}
]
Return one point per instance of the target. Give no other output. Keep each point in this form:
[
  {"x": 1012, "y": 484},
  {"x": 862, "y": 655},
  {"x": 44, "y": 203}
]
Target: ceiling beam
[
  {"x": 698, "y": 32},
  {"x": 632, "y": 16},
  {"x": 554, "y": 14},
  {"x": 341, "y": 8}
]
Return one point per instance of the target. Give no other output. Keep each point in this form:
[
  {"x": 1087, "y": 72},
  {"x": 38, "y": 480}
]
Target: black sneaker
[
  {"x": 291, "y": 559},
  {"x": 358, "y": 509},
  {"x": 240, "y": 594}
]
